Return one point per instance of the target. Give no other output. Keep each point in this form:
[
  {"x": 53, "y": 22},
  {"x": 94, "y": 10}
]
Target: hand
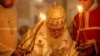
[
  {"x": 90, "y": 42},
  {"x": 82, "y": 48},
  {"x": 86, "y": 45},
  {"x": 18, "y": 52}
]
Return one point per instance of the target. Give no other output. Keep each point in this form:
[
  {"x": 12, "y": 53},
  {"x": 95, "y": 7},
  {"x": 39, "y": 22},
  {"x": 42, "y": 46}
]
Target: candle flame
[
  {"x": 80, "y": 8},
  {"x": 42, "y": 16}
]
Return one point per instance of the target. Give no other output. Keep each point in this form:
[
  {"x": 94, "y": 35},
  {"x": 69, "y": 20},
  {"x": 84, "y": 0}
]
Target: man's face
[
  {"x": 56, "y": 26},
  {"x": 8, "y": 3},
  {"x": 86, "y": 3}
]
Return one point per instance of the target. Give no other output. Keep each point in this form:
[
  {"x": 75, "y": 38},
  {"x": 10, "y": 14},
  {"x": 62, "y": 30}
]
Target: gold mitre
[{"x": 56, "y": 16}]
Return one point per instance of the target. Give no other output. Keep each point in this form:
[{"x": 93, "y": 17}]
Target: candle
[
  {"x": 80, "y": 9},
  {"x": 40, "y": 23},
  {"x": 36, "y": 29},
  {"x": 33, "y": 36}
]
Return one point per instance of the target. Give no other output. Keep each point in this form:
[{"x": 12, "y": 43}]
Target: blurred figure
[
  {"x": 22, "y": 30},
  {"x": 8, "y": 27},
  {"x": 87, "y": 29}
]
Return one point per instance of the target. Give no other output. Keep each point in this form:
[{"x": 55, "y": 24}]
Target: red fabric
[{"x": 94, "y": 21}]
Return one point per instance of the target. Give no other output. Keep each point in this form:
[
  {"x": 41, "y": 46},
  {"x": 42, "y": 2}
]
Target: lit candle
[
  {"x": 36, "y": 29},
  {"x": 80, "y": 9},
  {"x": 33, "y": 35},
  {"x": 42, "y": 19}
]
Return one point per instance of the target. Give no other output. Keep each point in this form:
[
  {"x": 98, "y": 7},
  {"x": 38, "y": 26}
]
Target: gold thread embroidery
[
  {"x": 89, "y": 28},
  {"x": 8, "y": 29}
]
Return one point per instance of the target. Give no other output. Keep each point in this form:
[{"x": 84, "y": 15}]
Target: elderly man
[
  {"x": 51, "y": 37},
  {"x": 87, "y": 29},
  {"x": 8, "y": 27}
]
